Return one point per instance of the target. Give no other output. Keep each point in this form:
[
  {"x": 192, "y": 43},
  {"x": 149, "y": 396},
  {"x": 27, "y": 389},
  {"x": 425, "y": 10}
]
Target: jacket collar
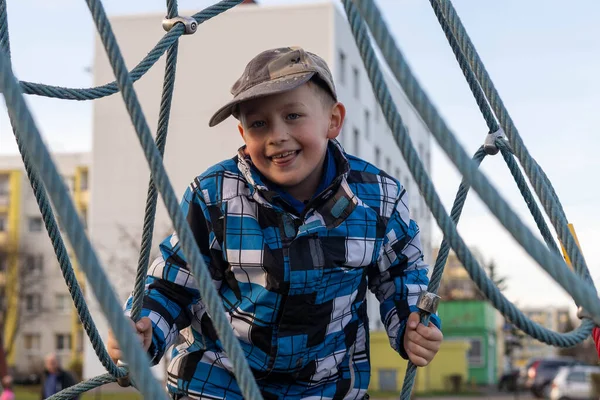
[{"x": 337, "y": 190}]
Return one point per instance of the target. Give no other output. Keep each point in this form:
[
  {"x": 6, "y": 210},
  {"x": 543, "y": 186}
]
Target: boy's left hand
[{"x": 421, "y": 342}]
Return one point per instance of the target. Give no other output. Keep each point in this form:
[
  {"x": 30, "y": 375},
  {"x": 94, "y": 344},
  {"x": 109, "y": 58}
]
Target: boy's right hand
[{"x": 144, "y": 332}]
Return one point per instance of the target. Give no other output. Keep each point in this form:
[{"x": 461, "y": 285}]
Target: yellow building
[
  {"x": 32, "y": 290},
  {"x": 388, "y": 368},
  {"x": 10, "y": 192}
]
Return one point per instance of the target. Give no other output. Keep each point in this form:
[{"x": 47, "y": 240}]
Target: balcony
[{"x": 4, "y": 199}]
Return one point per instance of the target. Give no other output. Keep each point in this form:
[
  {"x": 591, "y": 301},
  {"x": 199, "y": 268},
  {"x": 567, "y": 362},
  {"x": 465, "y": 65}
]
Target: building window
[
  {"x": 3, "y": 185},
  {"x": 376, "y": 109},
  {"x": 63, "y": 303},
  {"x": 3, "y": 262},
  {"x": 80, "y": 339},
  {"x": 342, "y": 67},
  {"x": 84, "y": 218},
  {"x": 356, "y": 142},
  {"x": 34, "y": 263},
  {"x": 356, "y": 76},
  {"x": 3, "y": 223},
  {"x": 377, "y": 157},
  {"x": 83, "y": 184},
  {"x": 367, "y": 123},
  {"x": 33, "y": 302},
  {"x": 63, "y": 342},
  {"x": 32, "y": 342},
  {"x": 475, "y": 354},
  {"x": 397, "y": 173},
  {"x": 342, "y": 137},
  {"x": 388, "y": 165},
  {"x": 35, "y": 224},
  {"x": 388, "y": 380}
]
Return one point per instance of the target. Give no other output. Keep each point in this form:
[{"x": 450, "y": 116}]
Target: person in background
[
  {"x": 7, "y": 392},
  {"x": 55, "y": 378}
]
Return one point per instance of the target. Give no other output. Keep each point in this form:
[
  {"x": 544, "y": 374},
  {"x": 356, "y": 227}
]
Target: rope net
[{"x": 369, "y": 29}]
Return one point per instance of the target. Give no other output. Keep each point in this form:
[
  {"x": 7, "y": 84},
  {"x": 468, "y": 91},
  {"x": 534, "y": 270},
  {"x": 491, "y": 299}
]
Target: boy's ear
[
  {"x": 336, "y": 120},
  {"x": 241, "y": 129}
]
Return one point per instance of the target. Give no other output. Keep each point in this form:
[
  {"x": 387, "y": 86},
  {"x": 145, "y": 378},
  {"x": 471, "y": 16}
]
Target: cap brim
[{"x": 262, "y": 89}]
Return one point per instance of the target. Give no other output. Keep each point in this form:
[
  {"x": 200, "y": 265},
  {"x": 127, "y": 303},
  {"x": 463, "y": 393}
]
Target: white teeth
[{"x": 284, "y": 154}]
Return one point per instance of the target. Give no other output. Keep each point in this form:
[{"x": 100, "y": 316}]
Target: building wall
[
  {"x": 475, "y": 322},
  {"x": 44, "y": 308},
  {"x": 388, "y": 368},
  {"x": 209, "y": 62}
]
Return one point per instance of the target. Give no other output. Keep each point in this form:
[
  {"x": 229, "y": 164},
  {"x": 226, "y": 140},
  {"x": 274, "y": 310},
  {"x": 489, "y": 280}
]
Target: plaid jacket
[{"x": 294, "y": 286}]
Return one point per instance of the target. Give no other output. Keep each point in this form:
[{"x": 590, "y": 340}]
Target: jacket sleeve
[
  {"x": 400, "y": 274},
  {"x": 171, "y": 296}
]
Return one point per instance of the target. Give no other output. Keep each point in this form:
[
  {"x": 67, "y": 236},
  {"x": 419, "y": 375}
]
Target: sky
[{"x": 543, "y": 57}]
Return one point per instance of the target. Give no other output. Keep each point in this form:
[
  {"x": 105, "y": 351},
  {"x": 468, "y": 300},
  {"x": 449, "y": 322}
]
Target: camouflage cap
[{"x": 275, "y": 71}]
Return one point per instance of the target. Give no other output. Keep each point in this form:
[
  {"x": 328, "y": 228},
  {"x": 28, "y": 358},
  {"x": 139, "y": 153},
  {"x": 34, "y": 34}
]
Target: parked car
[
  {"x": 574, "y": 383},
  {"x": 539, "y": 373}
]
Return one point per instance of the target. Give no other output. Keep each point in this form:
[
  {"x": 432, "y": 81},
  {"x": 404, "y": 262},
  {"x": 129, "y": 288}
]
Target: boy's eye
[
  {"x": 257, "y": 124},
  {"x": 293, "y": 116}
]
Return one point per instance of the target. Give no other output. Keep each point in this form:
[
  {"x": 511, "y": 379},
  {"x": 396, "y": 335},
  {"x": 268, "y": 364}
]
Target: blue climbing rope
[
  {"x": 144, "y": 66},
  {"x": 580, "y": 290},
  {"x": 189, "y": 246},
  {"x": 469, "y": 61},
  {"x": 27, "y": 131},
  {"x": 548, "y": 259},
  {"x": 54, "y": 233},
  {"x": 44, "y": 178},
  {"x": 161, "y": 139}
]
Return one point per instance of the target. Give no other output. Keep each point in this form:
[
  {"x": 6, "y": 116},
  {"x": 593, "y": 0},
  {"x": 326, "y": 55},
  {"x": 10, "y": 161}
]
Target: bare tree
[{"x": 125, "y": 258}]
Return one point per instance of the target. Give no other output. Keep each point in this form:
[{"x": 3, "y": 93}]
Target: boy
[{"x": 293, "y": 231}]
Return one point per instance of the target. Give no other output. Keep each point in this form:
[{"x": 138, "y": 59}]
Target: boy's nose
[{"x": 278, "y": 134}]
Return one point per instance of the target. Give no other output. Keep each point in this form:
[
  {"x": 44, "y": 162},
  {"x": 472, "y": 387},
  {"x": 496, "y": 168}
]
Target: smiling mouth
[{"x": 284, "y": 157}]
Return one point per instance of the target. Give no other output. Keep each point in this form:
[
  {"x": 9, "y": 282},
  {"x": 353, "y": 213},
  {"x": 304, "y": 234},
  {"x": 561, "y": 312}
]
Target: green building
[{"x": 474, "y": 321}]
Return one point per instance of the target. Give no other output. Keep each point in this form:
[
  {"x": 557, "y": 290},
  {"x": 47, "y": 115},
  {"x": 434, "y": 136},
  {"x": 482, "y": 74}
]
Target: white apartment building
[
  {"x": 43, "y": 320},
  {"x": 209, "y": 63}
]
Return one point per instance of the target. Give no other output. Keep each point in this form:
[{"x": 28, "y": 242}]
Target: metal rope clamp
[
  {"x": 428, "y": 302},
  {"x": 124, "y": 381},
  {"x": 190, "y": 24},
  {"x": 583, "y": 314},
  {"x": 489, "y": 145}
]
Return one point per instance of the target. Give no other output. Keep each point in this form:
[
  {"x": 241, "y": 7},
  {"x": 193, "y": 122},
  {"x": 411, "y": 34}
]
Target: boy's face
[{"x": 286, "y": 136}]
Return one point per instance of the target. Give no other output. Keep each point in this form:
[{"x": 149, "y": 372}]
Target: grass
[
  {"x": 33, "y": 393},
  {"x": 375, "y": 394}
]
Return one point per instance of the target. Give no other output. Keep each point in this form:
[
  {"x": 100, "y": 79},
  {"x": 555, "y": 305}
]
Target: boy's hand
[
  {"x": 144, "y": 331},
  {"x": 421, "y": 342}
]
